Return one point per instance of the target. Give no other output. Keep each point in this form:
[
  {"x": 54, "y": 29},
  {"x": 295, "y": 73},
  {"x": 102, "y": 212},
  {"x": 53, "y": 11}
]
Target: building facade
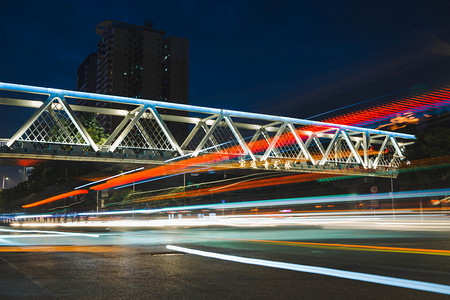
[
  {"x": 138, "y": 62},
  {"x": 87, "y": 74}
]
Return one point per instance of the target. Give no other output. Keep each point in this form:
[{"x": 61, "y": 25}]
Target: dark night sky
[{"x": 283, "y": 57}]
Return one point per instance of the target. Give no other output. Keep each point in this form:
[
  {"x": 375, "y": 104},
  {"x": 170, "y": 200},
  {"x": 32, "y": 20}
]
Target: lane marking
[
  {"x": 337, "y": 246},
  {"x": 386, "y": 280},
  {"x": 353, "y": 247}
]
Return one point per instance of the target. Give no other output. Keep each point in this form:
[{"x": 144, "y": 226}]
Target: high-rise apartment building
[
  {"x": 139, "y": 62},
  {"x": 87, "y": 74}
]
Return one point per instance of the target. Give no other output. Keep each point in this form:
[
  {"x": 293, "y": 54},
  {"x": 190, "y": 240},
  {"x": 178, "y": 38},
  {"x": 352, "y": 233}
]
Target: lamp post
[
  {"x": 392, "y": 187},
  {"x": 392, "y": 195},
  {"x": 97, "y": 204},
  {"x": 3, "y": 185}
]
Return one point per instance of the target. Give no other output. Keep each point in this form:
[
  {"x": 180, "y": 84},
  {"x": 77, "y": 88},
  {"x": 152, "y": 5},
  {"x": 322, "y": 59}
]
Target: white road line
[{"x": 398, "y": 282}]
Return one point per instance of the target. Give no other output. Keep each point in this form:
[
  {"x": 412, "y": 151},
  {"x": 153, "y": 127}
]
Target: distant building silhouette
[
  {"x": 138, "y": 62},
  {"x": 87, "y": 74}
]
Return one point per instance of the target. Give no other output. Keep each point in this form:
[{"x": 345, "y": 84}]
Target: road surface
[{"x": 138, "y": 265}]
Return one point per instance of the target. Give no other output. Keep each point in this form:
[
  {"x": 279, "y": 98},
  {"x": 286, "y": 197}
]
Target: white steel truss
[
  {"x": 142, "y": 128},
  {"x": 54, "y": 122},
  {"x": 238, "y": 136}
]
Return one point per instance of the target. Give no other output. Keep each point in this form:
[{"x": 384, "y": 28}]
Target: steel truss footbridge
[{"x": 232, "y": 139}]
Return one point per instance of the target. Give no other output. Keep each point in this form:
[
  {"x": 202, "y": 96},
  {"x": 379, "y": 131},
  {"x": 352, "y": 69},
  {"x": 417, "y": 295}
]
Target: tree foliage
[
  {"x": 433, "y": 142},
  {"x": 43, "y": 177},
  {"x": 93, "y": 127},
  {"x": 430, "y": 143}
]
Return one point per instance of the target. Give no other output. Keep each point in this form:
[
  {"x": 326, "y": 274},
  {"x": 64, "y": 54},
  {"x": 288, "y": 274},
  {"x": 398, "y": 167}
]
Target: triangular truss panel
[
  {"x": 142, "y": 129},
  {"x": 224, "y": 141},
  {"x": 218, "y": 135},
  {"x": 314, "y": 147},
  {"x": 201, "y": 127},
  {"x": 146, "y": 134},
  {"x": 286, "y": 146},
  {"x": 341, "y": 152},
  {"x": 387, "y": 154},
  {"x": 340, "y": 149},
  {"x": 261, "y": 140},
  {"x": 302, "y": 140},
  {"x": 197, "y": 134},
  {"x": 54, "y": 125}
]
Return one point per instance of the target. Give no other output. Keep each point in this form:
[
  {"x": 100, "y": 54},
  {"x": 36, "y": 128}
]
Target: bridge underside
[
  {"x": 51, "y": 158},
  {"x": 8, "y": 159},
  {"x": 158, "y": 133}
]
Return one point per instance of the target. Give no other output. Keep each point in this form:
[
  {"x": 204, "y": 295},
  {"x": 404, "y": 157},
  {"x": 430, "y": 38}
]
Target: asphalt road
[{"x": 137, "y": 264}]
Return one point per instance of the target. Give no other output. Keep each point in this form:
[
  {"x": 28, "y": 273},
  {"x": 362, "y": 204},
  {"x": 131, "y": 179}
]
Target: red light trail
[
  {"x": 413, "y": 104},
  {"x": 425, "y": 101},
  {"x": 54, "y": 198}
]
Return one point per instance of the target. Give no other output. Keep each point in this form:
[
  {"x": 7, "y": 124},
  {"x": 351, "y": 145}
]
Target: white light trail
[
  {"x": 124, "y": 173},
  {"x": 158, "y": 178},
  {"x": 380, "y": 222},
  {"x": 386, "y": 280},
  {"x": 32, "y": 216},
  {"x": 61, "y": 233},
  {"x": 19, "y": 236},
  {"x": 269, "y": 203},
  {"x": 284, "y": 202},
  {"x": 178, "y": 157}
]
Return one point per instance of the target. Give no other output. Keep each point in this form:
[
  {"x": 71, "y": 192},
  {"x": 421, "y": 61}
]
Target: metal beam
[
  {"x": 127, "y": 129},
  {"x": 266, "y": 136},
  {"x": 207, "y": 135},
  {"x": 58, "y": 121},
  {"x": 352, "y": 149},
  {"x": 366, "y": 142},
  {"x": 397, "y": 148},
  {"x": 274, "y": 141},
  {"x": 166, "y": 130},
  {"x": 238, "y": 137},
  {"x": 256, "y": 136},
  {"x": 78, "y": 124},
  {"x": 191, "y": 135},
  {"x": 357, "y": 146},
  {"x": 20, "y": 102},
  {"x": 327, "y": 152},
  {"x": 212, "y": 138},
  {"x": 300, "y": 143},
  {"x": 122, "y": 124},
  {"x": 30, "y": 121},
  {"x": 148, "y": 140},
  {"x": 375, "y": 163}
]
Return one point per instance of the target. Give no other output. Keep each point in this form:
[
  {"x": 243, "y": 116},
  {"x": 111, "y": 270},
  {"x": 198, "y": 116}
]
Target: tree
[
  {"x": 44, "y": 177},
  {"x": 93, "y": 127},
  {"x": 431, "y": 143}
]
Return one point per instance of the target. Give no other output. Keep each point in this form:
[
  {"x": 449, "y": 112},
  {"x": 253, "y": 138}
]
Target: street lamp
[
  {"x": 3, "y": 185},
  {"x": 392, "y": 185}
]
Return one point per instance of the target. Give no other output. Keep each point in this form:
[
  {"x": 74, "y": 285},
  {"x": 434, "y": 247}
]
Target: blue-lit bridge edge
[{"x": 143, "y": 135}]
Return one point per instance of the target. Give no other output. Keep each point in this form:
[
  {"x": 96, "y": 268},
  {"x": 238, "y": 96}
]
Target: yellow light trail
[
  {"x": 101, "y": 249},
  {"x": 352, "y": 247}
]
